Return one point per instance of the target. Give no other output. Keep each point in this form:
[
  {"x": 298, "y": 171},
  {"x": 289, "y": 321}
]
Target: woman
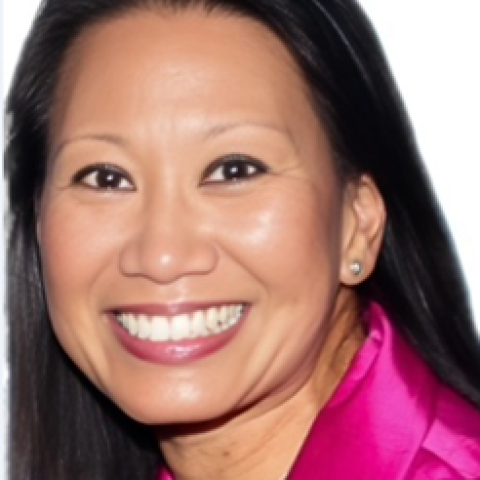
[{"x": 225, "y": 259}]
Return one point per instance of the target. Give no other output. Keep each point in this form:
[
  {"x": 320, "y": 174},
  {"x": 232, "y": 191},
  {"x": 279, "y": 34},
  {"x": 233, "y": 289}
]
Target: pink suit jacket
[{"x": 390, "y": 419}]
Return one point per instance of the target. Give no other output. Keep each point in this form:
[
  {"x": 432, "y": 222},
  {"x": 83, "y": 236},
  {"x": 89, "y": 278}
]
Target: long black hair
[{"x": 60, "y": 427}]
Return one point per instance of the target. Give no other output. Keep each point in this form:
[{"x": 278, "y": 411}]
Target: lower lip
[{"x": 175, "y": 353}]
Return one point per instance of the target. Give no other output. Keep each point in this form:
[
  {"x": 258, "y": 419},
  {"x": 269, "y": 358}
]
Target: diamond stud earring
[{"x": 356, "y": 268}]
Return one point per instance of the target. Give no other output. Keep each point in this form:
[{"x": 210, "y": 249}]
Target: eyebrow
[
  {"x": 216, "y": 130},
  {"x": 213, "y": 131},
  {"x": 106, "y": 138}
]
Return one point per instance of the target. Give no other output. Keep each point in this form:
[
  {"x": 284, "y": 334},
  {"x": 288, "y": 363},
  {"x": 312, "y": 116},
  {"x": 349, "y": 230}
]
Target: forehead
[{"x": 190, "y": 66}]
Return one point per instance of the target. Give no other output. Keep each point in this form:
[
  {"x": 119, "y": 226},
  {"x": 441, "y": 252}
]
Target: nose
[{"x": 168, "y": 241}]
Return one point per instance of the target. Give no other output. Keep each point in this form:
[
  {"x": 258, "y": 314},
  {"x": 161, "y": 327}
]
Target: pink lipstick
[{"x": 176, "y": 334}]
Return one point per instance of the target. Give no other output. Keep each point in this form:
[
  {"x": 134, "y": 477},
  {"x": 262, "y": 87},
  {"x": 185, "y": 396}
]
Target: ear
[{"x": 363, "y": 227}]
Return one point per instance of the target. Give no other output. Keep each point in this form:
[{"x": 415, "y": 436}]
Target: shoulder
[
  {"x": 441, "y": 429},
  {"x": 392, "y": 418},
  {"x": 451, "y": 448}
]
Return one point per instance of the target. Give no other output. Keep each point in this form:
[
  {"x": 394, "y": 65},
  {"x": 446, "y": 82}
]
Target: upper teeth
[{"x": 201, "y": 323}]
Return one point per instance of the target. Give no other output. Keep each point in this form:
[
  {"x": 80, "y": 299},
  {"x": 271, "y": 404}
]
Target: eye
[
  {"x": 103, "y": 177},
  {"x": 233, "y": 168}
]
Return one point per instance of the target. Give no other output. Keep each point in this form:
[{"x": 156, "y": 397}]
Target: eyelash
[
  {"x": 91, "y": 177},
  {"x": 242, "y": 168}
]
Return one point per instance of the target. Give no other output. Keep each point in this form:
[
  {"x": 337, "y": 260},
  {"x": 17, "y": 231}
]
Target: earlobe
[{"x": 364, "y": 225}]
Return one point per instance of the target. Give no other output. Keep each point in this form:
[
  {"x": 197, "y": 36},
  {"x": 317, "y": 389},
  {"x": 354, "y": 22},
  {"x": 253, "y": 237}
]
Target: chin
[{"x": 174, "y": 410}]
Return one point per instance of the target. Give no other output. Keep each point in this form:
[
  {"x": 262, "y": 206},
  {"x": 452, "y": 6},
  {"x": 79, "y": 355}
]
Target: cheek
[
  {"x": 290, "y": 234},
  {"x": 76, "y": 245},
  {"x": 64, "y": 251},
  {"x": 76, "y": 248},
  {"x": 63, "y": 266}
]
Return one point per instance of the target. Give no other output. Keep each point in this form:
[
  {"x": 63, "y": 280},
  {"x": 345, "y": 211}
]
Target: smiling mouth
[{"x": 197, "y": 324}]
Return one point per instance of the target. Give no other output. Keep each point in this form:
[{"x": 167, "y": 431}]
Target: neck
[{"x": 264, "y": 440}]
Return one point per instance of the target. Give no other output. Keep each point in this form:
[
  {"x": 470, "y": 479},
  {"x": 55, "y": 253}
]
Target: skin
[{"x": 178, "y": 98}]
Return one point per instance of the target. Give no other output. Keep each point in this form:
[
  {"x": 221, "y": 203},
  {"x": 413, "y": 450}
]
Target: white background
[{"x": 434, "y": 50}]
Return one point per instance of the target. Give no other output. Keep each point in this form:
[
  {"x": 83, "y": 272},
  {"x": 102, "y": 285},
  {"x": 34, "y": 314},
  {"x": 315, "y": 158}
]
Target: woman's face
[{"x": 192, "y": 229}]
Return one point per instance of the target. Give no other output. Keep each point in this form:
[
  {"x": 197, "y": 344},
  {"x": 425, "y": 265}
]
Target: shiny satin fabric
[{"x": 390, "y": 419}]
